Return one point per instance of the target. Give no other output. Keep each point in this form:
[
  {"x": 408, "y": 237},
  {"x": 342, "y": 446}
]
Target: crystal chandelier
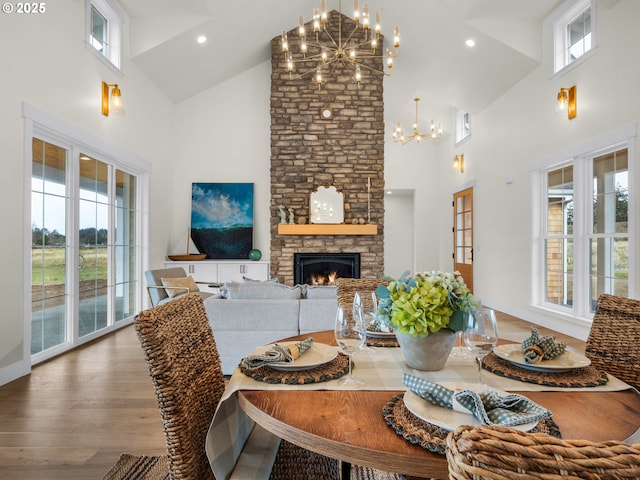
[
  {"x": 434, "y": 132},
  {"x": 355, "y": 50}
]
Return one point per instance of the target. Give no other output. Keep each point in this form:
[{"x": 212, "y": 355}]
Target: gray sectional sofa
[{"x": 251, "y": 314}]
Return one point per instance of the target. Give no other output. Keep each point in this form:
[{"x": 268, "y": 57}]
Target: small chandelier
[
  {"x": 434, "y": 132},
  {"x": 329, "y": 52}
]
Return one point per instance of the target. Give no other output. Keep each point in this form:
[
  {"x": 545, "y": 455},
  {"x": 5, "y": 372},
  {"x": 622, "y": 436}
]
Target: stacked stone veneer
[{"x": 308, "y": 151}]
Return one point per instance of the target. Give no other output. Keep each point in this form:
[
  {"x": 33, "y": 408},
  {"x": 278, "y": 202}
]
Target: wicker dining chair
[
  {"x": 483, "y": 452},
  {"x": 186, "y": 372},
  {"x": 346, "y": 288},
  {"x": 613, "y": 344}
]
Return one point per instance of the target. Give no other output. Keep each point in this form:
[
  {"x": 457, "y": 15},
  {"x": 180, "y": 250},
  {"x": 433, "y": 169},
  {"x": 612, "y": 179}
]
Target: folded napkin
[
  {"x": 537, "y": 348},
  {"x": 489, "y": 407},
  {"x": 277, "y": 354}
]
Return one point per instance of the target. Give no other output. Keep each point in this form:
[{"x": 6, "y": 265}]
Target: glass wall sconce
[
  {"x": 458, "y": 163},
  {"x": 111, "y": 103},
  {"x": 567, "y": 98}
]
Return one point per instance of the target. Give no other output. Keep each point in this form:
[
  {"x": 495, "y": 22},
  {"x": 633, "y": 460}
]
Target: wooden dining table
[{"x": 348, "y": 424}]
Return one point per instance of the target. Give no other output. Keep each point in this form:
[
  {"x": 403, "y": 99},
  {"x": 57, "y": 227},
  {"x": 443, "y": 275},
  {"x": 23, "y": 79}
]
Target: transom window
[
  {"x": 104, "y": 25},
  {"x": 573, "y": 32}
]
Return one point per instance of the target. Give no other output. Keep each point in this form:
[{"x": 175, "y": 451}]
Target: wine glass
[
  {"x": 365, "y": 305},
  {"x": 481, "y": 335},
  {"x": 350, "y": 335}
]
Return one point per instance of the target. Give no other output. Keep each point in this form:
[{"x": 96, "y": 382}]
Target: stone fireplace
[
  {"x": 308, "y": 151},
  {"x": 325, "y": 268}
]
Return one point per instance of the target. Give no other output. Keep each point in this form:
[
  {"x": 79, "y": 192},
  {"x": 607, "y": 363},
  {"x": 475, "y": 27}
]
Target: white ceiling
[{"x": 434, "y": 62}]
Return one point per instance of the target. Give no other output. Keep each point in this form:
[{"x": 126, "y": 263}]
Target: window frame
[
  {"x": 115, "y": 17},
  {"x": 564, "y": 15},
  {"x": 76, "y": 141},
  {"x": 581, "y": 158},
  {"x": 459, "y": 122}
]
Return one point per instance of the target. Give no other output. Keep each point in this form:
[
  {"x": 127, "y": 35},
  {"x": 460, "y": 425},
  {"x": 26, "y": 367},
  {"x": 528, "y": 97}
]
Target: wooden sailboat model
[{"x": 188, "y": 257}]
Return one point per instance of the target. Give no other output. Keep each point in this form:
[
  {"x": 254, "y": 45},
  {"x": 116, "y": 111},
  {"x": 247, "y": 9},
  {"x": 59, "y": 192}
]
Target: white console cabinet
[{"x": 220, "y": 271}]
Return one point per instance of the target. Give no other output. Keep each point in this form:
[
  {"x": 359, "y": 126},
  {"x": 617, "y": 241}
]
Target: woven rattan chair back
[
  {"x": 346, "y": 288},
  {"x": 614, "y": 339},
  {"x": 484, "y": 452},
  {"x": 185, "y": 368}
]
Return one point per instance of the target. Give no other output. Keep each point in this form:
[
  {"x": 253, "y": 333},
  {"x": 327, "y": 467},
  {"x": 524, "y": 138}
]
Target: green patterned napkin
[
  {"x": 277, "y": 354},
  {"x": 489, "y": 407},
  {"x": 537, "y": 348}
]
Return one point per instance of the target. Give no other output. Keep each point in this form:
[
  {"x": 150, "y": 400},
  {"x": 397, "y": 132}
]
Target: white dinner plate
[
  {"x": 373, "y": 334},
  {"x": 318, "y": 354},
  {"x": 568, "y": 360},
  {"x": 447, "y": 418}
]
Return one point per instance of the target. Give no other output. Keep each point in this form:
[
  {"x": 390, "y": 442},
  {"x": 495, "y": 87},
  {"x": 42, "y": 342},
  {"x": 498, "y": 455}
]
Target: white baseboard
[{"x": 13, "y": 372}]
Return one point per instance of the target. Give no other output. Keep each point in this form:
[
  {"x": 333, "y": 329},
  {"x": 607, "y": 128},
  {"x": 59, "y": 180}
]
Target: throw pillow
[{"x": 183, "y": 282}]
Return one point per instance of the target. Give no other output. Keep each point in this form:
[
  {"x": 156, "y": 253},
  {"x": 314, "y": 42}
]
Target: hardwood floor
[{"x": 74, "y": 415}]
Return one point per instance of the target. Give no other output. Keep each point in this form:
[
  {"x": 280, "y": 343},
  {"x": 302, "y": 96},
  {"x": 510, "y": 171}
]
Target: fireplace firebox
[{"x": 324, "y": 268}]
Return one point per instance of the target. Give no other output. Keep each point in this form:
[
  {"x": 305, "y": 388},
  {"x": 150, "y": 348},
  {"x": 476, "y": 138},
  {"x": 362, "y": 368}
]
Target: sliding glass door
[{"x": 84, "y": 246}]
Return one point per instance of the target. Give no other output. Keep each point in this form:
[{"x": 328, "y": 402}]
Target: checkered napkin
[
  {"x": 276, "y": 354},
  {"x": 537, "y": 348},
  {"x": 489, "y": 407}
]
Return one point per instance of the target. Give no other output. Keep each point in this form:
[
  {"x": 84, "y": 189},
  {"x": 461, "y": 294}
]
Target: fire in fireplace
[{"x": 324, "y": 268}]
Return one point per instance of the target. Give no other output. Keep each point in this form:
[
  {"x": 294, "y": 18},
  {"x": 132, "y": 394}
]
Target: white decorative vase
[{"x": 428, "y": 353}]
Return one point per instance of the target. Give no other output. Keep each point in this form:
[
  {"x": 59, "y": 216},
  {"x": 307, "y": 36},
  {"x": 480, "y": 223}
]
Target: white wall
[
  {"x": 520, "y": 129},
  {"x": 45, "y": 64},
  {"x": 223, "y": 135}
]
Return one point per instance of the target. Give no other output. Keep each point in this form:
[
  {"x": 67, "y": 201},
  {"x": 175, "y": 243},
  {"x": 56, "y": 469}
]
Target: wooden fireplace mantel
[{"x": 327, "y": 229}]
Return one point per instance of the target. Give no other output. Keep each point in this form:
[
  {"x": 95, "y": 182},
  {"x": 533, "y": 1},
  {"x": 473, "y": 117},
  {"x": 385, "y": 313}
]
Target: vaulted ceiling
[{"x": 434, "y": 62}]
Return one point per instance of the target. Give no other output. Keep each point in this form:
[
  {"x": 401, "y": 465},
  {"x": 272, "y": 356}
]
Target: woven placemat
[
  {"x": 336, "y": 368},
  {"x": 577, "y": 378},
  {"x": 382, "y": 342},
  {"x": 429, "y": 436}
]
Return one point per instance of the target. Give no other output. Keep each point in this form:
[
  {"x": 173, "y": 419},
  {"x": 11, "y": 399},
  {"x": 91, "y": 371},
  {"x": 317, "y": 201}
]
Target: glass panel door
[
  {"x": 93, "y": 245},
  {"x": 463, "y": 235},
  {"x": 84, "y": 247},
  {"x": 49, "y": 293},
  {"x": 126, "y": 285}
]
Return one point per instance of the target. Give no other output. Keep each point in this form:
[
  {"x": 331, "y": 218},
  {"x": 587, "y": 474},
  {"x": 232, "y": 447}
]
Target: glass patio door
[{"x": 84, "y": 248}]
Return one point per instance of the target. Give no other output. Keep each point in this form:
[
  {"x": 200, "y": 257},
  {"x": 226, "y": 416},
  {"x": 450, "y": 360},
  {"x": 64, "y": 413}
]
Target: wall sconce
[
  {"x": 458, "y": 163},
  {"x": 114, "y": 104},
  {"x": 567, "y": 98}
]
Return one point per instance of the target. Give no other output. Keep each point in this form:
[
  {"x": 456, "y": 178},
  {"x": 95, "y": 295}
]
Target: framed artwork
[{"x": 222, "y": 219}]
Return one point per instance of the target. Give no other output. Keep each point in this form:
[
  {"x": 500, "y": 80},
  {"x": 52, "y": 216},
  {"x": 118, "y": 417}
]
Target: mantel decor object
[{"x": 326, "y": 205}]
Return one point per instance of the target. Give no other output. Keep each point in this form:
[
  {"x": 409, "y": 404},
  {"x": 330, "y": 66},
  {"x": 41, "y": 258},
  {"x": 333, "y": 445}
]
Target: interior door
[{"x": 463, "y": 235}]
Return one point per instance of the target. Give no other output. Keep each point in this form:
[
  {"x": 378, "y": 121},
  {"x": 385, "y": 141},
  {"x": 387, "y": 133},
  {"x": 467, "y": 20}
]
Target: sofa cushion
[
  {"x": 179, "y": 284},
  {"x": 320, "y": 291},
  {"x": 262, "y": 290}
]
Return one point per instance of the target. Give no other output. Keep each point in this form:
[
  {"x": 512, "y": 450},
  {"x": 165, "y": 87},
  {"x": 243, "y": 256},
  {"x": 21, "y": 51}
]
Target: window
[
  {"x": 463, "y": 126},
  {"x": 573, "y": 32},
  {"x": 86, "y": 232},
  {"x": 104, "y": 25},
  {"x": 583, "y": 246}
]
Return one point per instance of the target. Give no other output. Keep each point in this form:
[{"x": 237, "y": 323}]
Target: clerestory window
[
  {"x": 104, "y": 30},
  {"x": 574, "y": 33}
]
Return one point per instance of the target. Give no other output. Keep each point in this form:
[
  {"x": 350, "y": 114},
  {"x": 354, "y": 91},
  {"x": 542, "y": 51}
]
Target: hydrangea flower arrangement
[{"x": 426, "y": 303}]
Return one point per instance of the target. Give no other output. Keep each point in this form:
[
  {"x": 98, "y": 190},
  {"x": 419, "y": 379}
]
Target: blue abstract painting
[{"x": 222, "y": 219}]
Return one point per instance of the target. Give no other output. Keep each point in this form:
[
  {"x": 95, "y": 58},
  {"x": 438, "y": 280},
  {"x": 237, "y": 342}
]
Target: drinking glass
[
  {"x": 365, "y": 305},
  {"x": 350, "y": 335},
  {"x": 481, "y": 335}
]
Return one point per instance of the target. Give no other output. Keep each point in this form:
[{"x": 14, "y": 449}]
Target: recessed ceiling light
[
  {"x": 202, "y": 39},
  {"x": 470, "y": 42}
]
